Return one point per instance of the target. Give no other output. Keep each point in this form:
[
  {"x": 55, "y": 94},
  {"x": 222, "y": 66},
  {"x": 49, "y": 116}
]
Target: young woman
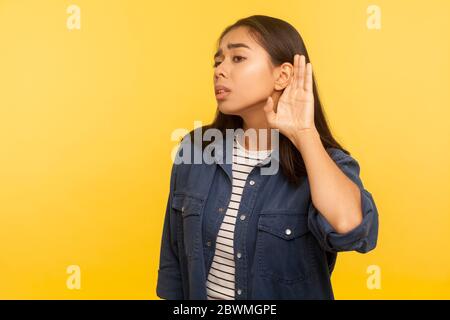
[{"x": 231, "y": 232}]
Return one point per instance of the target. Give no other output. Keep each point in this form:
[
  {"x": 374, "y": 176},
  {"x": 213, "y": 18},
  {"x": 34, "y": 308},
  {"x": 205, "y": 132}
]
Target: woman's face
[{"x": 244, "y": 67}]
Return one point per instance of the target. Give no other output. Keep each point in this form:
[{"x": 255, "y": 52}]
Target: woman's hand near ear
[
  {"x": 295, "y": 109},
  {"x": 333, "y": 193}
]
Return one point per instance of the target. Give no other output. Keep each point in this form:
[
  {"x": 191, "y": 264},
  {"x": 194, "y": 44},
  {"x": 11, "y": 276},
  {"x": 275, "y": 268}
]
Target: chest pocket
[
  {"x": 284, "y": 246},
  {"x": 189, "y": 209}
]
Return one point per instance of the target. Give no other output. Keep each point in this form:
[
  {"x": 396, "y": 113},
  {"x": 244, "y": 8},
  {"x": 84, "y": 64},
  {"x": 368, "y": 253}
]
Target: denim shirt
[{"x": 287, "y": 248}]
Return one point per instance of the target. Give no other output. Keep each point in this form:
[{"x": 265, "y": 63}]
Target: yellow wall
[{"x": 86, "y": 117}]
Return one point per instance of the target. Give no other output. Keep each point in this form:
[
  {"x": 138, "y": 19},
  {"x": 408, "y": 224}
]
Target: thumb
[{"x": 270, "y": 113}]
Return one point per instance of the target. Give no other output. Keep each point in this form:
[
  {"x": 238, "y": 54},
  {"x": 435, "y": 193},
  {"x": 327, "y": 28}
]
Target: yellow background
[{"x": 86, "y": 118}]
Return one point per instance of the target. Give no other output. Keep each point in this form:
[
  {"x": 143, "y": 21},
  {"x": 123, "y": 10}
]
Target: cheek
[
  {"x": 251, "y": 84},
  {"x": 253, "y": 81}
]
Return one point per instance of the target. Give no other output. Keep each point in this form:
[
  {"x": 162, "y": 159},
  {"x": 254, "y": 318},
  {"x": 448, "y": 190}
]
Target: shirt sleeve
[
  {"x": 362, "y": 238},
  {"x": 169, "y": 284}
]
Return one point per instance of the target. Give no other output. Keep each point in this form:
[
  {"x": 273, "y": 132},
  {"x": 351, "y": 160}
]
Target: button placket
[{"x": 241, "y": 267}]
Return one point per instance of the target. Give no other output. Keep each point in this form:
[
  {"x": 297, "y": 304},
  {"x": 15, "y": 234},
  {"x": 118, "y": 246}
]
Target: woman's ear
[{"x": 283, "y": 75}]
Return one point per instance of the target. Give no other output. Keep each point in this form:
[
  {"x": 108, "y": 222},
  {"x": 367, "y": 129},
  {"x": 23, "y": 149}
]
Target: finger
[
  {"x": 301, "y": 72},
  {"x": 294, "y": 72},
  {"x": 269, "y": 110},
  {"x": 293, "y": 84},
  {"x": 308, "y": 78},
  {"x": 288, "y": 89}
]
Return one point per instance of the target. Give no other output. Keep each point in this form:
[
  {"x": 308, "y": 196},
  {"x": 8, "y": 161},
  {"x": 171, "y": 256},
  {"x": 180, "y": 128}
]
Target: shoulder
[
  {"x": 191, "y": 171},
  {"x": 189, "y": 153},
  {"x": 190, "y": 144}
]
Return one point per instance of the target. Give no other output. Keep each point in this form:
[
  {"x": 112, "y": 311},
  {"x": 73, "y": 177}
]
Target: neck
[
  {"x": 255, "y": 118},
  {"x": 262, "y": 140}
]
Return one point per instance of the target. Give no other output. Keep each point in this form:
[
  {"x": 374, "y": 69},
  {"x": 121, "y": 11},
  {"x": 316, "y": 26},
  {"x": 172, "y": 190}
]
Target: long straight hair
[{"x": 282, "y": 42}]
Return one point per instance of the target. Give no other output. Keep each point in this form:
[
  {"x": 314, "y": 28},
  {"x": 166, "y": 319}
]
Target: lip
[
  {"x": 224, "y": 93},
  {"x": 218, "y": 87}
]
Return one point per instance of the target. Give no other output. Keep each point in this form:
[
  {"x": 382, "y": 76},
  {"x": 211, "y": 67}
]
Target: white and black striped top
[{"x": 220, "y": 284}]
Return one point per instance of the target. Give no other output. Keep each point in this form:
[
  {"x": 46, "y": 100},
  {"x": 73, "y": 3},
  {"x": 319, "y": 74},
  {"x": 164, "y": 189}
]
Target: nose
[
  {"x": 221, "y": 70},
  {"x": 218, "y": 72}
]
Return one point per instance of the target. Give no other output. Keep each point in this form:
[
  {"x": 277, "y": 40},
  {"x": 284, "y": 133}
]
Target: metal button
[
  {"x": 252, "y": 182},
  {"x": 242, "y": 217},
  {"x": 182, "y": 209},
  {"x": 208, "y": 243},
  {"x": 239, "y": 291},
  {"x": 288, "y": 231},
  {"x": 220, "y": 209},
  {"x": 239, "y": 255}
]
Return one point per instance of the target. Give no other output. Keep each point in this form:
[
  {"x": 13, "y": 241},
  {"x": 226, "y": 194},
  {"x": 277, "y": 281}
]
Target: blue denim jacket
[{"x": 273, "y": 264}]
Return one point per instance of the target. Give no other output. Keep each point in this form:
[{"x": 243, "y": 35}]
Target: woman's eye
[{"x": 218, "y": 62}]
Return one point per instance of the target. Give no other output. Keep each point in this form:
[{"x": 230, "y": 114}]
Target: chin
[
  {"x": 225, "y": 108},
  {"x": 232, "y": 108}
]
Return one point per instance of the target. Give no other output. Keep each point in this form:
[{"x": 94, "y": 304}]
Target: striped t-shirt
[{"x": 220, "y": 282}]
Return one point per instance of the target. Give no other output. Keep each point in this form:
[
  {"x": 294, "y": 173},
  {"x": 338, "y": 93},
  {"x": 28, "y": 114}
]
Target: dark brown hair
[{"x": 281, "y": 41}]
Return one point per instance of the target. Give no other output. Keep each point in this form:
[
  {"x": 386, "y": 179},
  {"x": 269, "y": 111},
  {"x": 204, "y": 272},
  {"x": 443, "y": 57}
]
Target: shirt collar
[{"x": 223, "y": 155}]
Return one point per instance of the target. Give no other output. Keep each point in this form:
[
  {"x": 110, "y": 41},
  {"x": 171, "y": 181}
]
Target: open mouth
[{"x": 222, "y": 94}]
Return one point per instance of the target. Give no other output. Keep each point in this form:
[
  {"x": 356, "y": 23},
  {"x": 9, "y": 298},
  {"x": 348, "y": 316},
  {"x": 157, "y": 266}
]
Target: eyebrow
[{"x": 231, "y": 46}]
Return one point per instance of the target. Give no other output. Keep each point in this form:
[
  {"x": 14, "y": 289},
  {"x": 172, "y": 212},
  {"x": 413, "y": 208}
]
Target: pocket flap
[
  {"x": 285, "y": 226},
  {"x": 186, "y": 204}
]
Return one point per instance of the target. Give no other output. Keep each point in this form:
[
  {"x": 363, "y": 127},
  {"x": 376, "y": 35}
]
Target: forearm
[{"x": 335, "y": 195}]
